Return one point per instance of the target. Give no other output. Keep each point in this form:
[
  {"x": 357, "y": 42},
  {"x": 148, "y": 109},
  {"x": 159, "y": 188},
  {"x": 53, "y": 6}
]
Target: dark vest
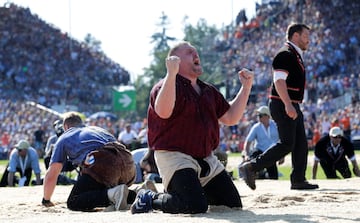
[{"x": 289, "y": 60}]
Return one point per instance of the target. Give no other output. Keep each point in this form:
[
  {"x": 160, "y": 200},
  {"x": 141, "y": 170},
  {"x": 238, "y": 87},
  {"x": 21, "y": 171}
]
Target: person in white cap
[
  {"x": 331, "y": 152},
  {"x": 23, "y": 159},
  {"x": 262, "y": 135}
]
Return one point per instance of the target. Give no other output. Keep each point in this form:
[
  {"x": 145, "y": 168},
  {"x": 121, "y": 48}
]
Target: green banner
[{"x": 124, "y": 98}]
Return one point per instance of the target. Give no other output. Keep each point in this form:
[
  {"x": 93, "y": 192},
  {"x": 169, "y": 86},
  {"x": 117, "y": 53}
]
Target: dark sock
[{"x": 131, "y": 197}]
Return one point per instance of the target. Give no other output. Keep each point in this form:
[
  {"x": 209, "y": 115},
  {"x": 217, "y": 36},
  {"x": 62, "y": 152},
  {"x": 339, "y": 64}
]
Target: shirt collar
[
  {"x": 187, "y": 81},
  {"x": 296, "y": 48},
  {"x": 333, "y": 146}
]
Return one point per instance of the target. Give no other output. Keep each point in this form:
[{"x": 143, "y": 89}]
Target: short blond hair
[
  {"x": 72, "y": 119},
  {"x": 177, "y": 46}
]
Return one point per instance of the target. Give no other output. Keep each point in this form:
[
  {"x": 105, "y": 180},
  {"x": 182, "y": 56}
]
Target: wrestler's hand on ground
[
  {"x": 356, "y": 171},
  {"x": 47, "y": 203}
]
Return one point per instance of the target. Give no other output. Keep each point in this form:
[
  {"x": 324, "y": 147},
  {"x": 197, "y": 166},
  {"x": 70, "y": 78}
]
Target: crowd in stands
[
  {"x": 334, "y": 42},
  {"x": 20, "y": 120},
  {"x": 333, "y": 77},
  {"x": 39, "y": 62},
  {"x": 332, "y": 61}
]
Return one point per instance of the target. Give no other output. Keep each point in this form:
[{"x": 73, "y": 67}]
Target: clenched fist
[
  {"x": 172, "y": 65},
  {"x": 246, "y": 77}
]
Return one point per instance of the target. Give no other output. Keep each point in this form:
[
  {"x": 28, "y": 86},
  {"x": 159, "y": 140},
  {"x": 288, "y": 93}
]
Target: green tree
[
  {"x": 203, "y": 37},
  {"x": 161, "y": 38},
  {"x": 92, "y": 43},
  {"x": 156, "y": 69}
]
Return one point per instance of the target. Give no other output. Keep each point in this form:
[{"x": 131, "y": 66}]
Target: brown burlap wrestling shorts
[{"x": 111, "y": 165}]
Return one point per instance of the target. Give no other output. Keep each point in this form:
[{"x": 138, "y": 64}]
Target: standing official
[{"x": 286, "y": 95}]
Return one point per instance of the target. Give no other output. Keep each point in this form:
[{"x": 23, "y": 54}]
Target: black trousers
[
  {"x": 186, "y": 195},
  {"x": 330, "y": 168},
  {"x": 67, "y": 165},
  {"x": 88, "y": 194},
  {"x": 292, "y": 139},
  {"x": 4, "y": 179},
  {"x": 271, "y": 170}
]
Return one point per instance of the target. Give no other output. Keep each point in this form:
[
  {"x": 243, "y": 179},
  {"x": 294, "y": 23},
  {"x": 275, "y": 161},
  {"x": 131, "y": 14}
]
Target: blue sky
[{"x": 124, "y": 27}]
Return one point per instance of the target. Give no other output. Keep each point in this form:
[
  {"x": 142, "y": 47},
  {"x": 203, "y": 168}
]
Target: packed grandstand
[{"x": 36, "y": 66}]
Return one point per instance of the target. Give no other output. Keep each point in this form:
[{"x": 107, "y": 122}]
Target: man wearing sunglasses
[
  {"x": 331, "y": 152},
  {"x": 262, "y": 135},
  {"x": 23, "y": 159}
]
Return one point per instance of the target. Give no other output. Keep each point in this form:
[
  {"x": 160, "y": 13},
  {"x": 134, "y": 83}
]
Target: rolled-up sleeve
[
  {"x": 13, "y": 161},
  {"x": 35, "y": 163}
]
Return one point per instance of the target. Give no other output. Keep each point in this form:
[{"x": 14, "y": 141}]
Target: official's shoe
[
  {"x": 143, "y": 202},
  {"x": 304, "y": 186},
  {"x": 118, "y": 196},
  {"x": 248, "y": 174}
]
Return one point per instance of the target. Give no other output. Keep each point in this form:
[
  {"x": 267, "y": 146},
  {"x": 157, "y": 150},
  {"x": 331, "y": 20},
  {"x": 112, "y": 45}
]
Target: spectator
[
  {"x": 142, "y": 137},
  {"x": 264, "y": 134},
  {"x": 39, "y": 141},
  {"x": 5, "y": 140},
  {"x": 346, "y": 124},
  {"x": 331, "y": 152},
  {"x": 128, "y": 137},
  {"x": 23, "y": 159},
  {"x": 234, "y": 143}
]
